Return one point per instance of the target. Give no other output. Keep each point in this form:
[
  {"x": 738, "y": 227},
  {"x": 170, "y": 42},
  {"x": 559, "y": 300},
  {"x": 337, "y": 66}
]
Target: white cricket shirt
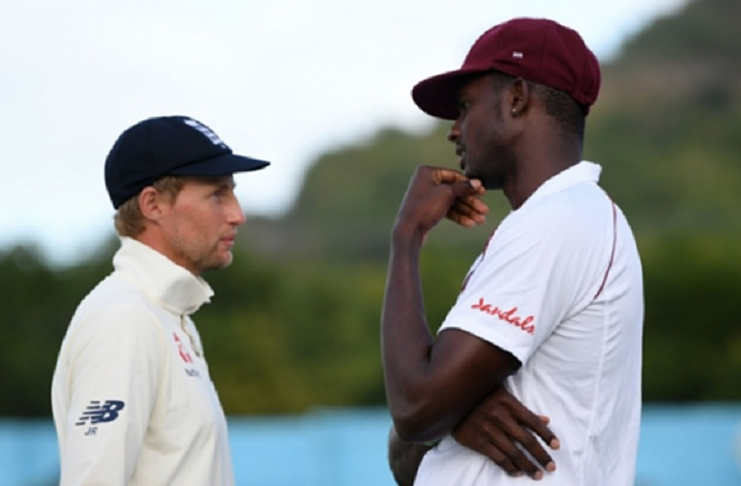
[
  {"x": 132, "y": 399},
  {"x": 559, "y": 286}
]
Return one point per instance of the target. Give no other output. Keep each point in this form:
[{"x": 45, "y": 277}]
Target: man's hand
[
  {"x": 498, "y": 425},
  {"x": 435, "y": 193}
]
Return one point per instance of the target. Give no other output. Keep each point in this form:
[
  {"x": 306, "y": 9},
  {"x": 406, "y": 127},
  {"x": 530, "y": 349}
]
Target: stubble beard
[
  {"x": 212, "y": 260},
  {"x": 202, "y": 260},
  {"x": 495, "y": 167}
]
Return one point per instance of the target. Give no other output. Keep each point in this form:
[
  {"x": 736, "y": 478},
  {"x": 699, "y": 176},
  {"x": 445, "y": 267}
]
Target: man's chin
[
  {"x": 491, "y": 184},
  {"x": 487, "y": 183},
  {"x": 218, "y": 264}
]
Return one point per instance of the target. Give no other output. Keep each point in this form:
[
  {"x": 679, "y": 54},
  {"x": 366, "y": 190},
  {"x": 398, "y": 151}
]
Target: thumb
[{"x": 464, "y": 188}]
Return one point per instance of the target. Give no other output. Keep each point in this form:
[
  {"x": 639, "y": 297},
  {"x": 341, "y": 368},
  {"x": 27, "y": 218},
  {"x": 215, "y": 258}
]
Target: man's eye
[{"x": 463, "y": 106}]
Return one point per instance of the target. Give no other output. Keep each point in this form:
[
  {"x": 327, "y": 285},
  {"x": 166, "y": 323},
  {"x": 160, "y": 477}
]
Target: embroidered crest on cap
[{"x": 207, "y": 132}]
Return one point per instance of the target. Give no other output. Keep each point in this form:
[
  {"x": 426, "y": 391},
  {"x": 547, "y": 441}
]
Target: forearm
[
  {"x": 431, "y": 382},
  {"x": 406, "y": 339}
]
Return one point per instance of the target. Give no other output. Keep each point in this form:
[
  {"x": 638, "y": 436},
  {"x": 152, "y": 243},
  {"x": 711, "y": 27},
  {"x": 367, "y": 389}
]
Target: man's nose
[
  {"x": 236, "y": 214},
  {"x": 455, "y": 132}
]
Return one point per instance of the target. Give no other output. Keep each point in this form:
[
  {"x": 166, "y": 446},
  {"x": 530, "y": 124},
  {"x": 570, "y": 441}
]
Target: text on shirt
[{"x": 510, "y": 316}]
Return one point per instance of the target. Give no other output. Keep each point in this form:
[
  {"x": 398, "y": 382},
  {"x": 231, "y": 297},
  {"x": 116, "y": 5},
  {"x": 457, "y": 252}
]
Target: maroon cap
[{"x": 537, "y": 50}]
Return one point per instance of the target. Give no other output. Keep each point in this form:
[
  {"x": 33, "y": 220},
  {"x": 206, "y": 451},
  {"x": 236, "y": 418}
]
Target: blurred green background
[{"x": 294, "y": 322}]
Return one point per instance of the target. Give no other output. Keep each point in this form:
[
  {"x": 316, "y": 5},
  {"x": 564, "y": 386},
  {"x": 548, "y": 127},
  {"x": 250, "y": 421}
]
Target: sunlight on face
[{"x": 201, "y": 224}]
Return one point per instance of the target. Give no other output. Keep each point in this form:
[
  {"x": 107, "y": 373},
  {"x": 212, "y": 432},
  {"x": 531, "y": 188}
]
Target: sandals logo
[{"x": 510, "y": 316}]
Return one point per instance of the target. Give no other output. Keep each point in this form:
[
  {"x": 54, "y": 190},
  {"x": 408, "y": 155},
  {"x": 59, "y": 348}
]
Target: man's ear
[
  {"x": 151, "y": 203},
  {"x": 520, "y": 95}
]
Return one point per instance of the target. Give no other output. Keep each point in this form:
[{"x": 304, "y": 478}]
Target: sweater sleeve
[{"x": 115, "y": 361}]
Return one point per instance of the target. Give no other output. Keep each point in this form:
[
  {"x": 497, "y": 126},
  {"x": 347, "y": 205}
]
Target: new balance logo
[{"x": 96, "y": 413}]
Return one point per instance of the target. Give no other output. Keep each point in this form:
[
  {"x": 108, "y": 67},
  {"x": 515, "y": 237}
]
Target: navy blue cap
[{"x": 168, "y": 146}]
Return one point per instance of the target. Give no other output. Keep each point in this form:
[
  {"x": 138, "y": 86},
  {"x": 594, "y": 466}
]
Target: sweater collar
[{"x": 162, "y": 280}]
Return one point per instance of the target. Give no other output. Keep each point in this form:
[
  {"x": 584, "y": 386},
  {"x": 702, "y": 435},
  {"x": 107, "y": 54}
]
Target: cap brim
[
  {"x": 223, "y": 165},
  {"x": 438, "y": 95}
]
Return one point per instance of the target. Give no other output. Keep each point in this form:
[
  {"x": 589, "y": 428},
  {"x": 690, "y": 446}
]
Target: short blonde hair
[{"x": 129, "y": 220}]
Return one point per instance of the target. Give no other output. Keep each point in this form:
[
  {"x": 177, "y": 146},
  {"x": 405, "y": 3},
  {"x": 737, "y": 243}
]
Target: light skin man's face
[{"x": 200, "y": 225}]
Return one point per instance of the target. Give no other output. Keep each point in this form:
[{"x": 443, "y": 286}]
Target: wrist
[{"x": 406, "y": 237}]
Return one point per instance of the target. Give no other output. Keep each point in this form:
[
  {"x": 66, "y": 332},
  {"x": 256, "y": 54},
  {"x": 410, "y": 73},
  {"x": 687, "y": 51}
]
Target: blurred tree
[
  {"x": 294, "y": 322},
  {"x": 38, "y": 302}
]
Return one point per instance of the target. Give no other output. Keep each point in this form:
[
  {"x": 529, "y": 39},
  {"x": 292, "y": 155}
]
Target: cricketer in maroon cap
[{"x": 536, "y": 369}]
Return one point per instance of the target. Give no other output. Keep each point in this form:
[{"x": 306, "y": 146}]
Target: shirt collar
[
  {"x": 584, "y": 171},
  {"x": 162, "y": 280}
]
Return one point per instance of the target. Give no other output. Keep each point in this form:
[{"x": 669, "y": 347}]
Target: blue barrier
[{"x": 693, "y": 445}]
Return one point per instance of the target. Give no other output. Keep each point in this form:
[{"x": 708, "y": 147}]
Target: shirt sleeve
[
  {"x": 535, "y": 271},
  {"x": 115, "y": 362}
]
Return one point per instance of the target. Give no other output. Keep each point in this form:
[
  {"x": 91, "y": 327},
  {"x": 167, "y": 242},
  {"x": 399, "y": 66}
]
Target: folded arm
[
  {"x": 500, "y": 427},
  {"x": 433, "y": 385}
]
